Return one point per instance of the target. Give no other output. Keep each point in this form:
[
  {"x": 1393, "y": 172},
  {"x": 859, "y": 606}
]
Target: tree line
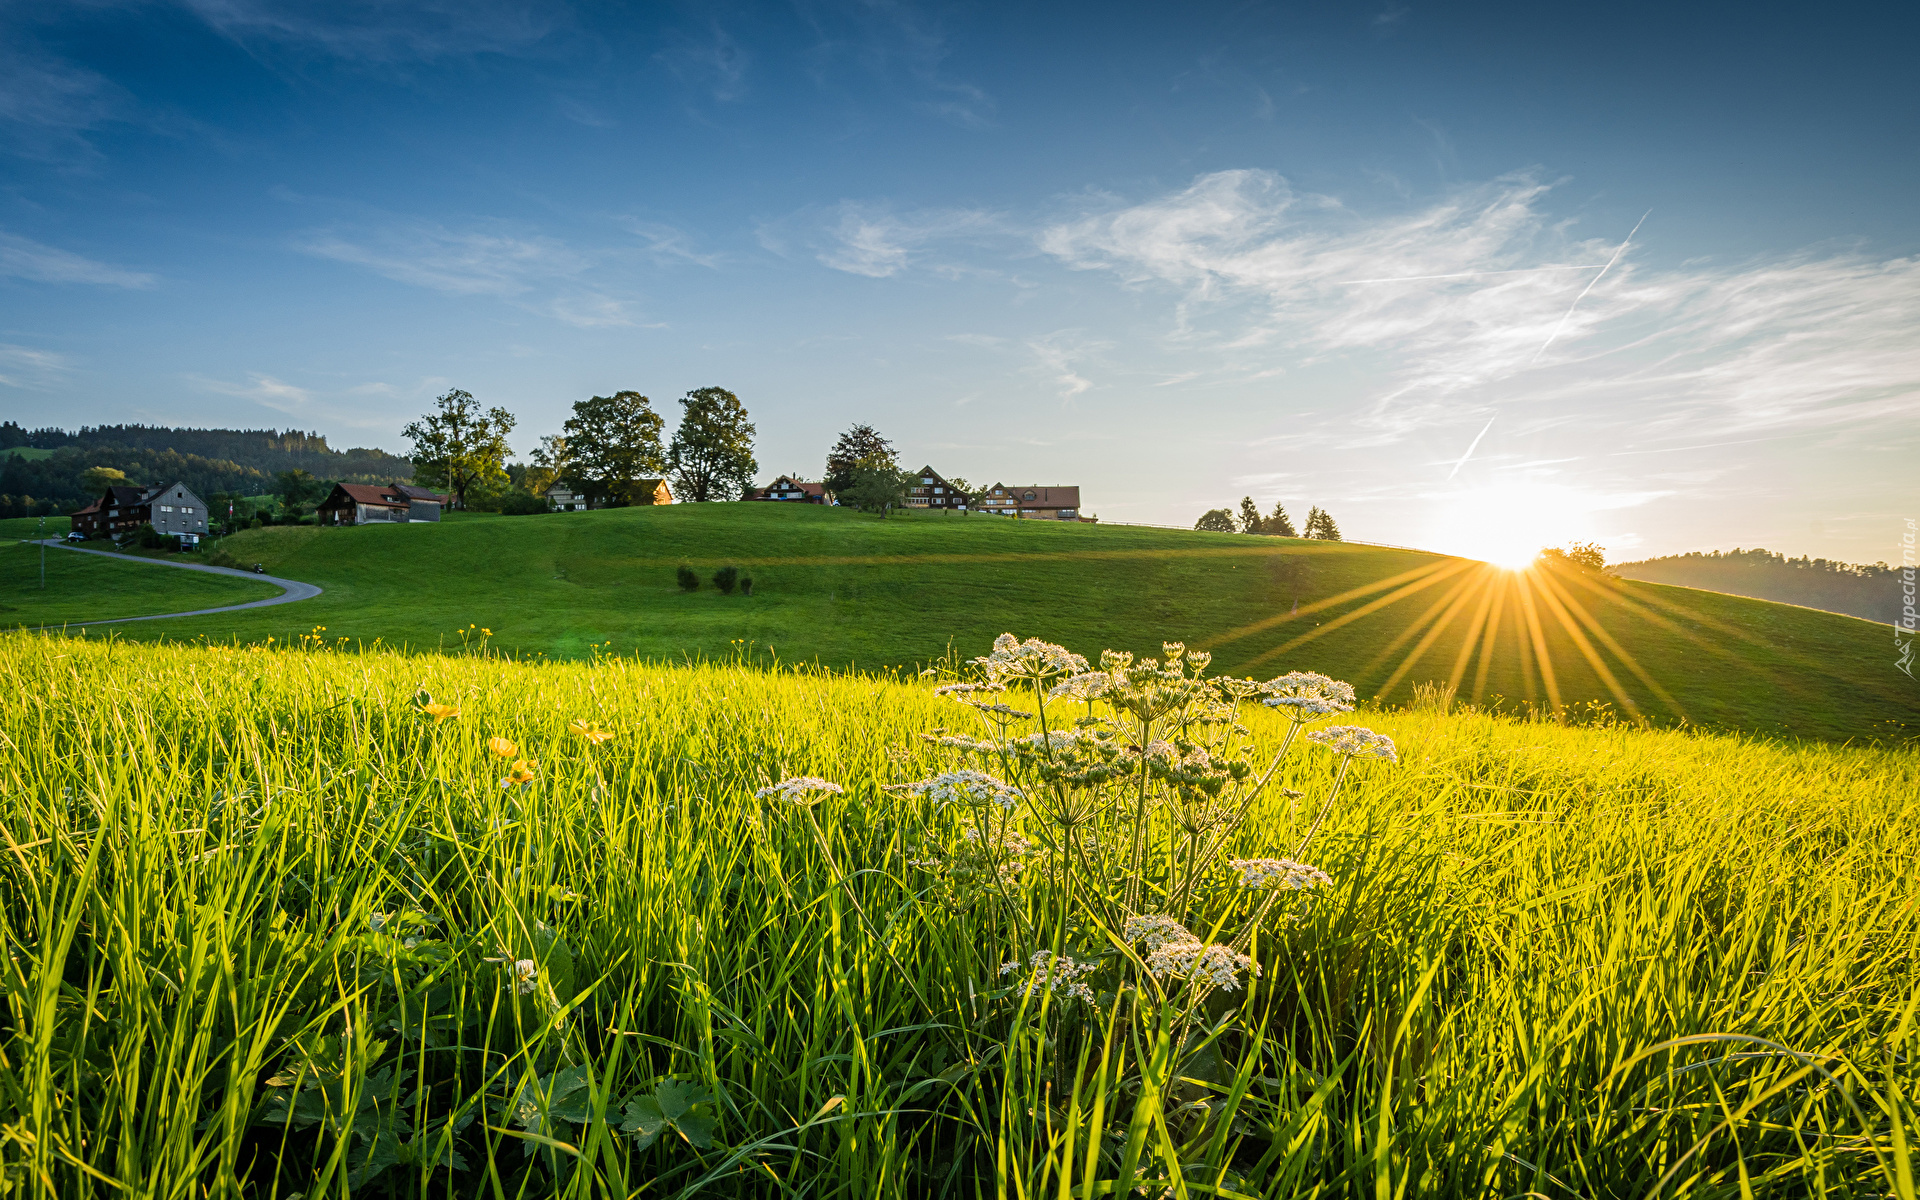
[{"x": 1320, "y": 524}]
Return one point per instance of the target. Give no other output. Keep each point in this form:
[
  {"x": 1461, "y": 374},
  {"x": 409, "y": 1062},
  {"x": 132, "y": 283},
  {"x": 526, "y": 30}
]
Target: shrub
[
  {"x": 726, "y": 579},
  {"x": 1215, "y": 520},
  {"x": 746, "y": 585},
  {"x": 149, "y": 538},
  {"x": 688, "y": 581},
  {"x": 522, "y": 504}
]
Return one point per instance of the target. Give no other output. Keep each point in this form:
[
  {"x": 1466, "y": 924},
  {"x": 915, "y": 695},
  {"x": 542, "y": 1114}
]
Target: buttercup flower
[
  {"x": 801, "y": 790},
  {"x": 972, "y": 788},
  {"x": 502, "y": 747},
  {"x": 439, "y": 712},
  {"x": 589, "y": 730},
  {"x": 523, "y": 771},
  {"x": 1308, "y": 694},
  {"x": 1278, "y": 873},
  {"x": 1356, "y": 740}
]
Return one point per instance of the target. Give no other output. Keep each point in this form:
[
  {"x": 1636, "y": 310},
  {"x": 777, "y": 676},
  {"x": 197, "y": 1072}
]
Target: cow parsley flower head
[
  {"x": 1355, "y": 740},
  {"x": 1156, "y": 930},
  {"x": 1213, "y": 964},
  {"x": 1278, "y": 873},
  {"x": 1057, "y": 973},
  {"x": 972, "y": 788},
  {"x": 1031, "y": 659},
  {"x": 803, "y": 790},
  {"x": 1308, "y": 694},
  {"x": 960, "y": 690},
  {"x": 1089, "y": 685}
]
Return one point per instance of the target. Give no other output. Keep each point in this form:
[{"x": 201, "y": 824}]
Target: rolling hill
[{"x": 847, "y": 589}]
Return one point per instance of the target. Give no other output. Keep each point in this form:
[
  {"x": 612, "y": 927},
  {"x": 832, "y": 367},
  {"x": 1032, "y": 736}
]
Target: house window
[
  {"x": 939, "y": 491},
  {"x": 1029, "y": 496}
]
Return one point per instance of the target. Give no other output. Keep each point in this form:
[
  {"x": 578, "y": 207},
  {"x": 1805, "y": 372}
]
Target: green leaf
[
  {"x": 644, "y": 1120},
  {"x": 672, "y": 1107}
]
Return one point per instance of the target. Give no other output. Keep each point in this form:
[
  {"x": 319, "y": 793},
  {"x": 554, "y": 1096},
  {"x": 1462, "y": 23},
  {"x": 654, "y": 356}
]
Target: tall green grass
[{"x": 264, "y": 920}]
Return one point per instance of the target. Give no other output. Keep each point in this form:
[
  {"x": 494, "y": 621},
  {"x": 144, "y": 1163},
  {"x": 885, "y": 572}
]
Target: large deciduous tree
[
  {"x": 614, "y": 440},
  {"x": 1215, "y": 520},
  {"x": 459, "y": 446},
  {"x": 711, "y": 455},
  {"x": 861, "y": 446},
  {"x": 876, "y": 487},
  {"x": 552, "y": 460}
]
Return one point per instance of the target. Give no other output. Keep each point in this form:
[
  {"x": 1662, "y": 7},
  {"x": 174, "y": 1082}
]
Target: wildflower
[
  {"x": 1057, "y": 973},
  {"x": 1003, "y": 710},
  {"x": 1278, "y": 873},
  {"x": 1031, "y": 659},
  {"x": 1212, "y": 964},
  {"x": 958, "y": 741},
  {"x": 971, "y": 788},
  {"x": 1089, "y": 685},
  {"x": 798, "y": 790},
  {"x": 522, "y": 772},
  {"x": 502, "y": 747},
  {"x": 590, "y": 730},
  {"x": 1156, "y": 930},
  {"x": 967, "y": 689},
  {"x": 1355, "y": 740},
  {"x": 439, "y": 712},
  {"x": 526, "y": 976},
  {"x": 1309, "y": 694}
]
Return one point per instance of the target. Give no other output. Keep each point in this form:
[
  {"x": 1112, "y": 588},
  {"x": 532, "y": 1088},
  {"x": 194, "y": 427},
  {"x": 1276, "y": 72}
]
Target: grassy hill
[
  {"x": 86, "y": 587},
  {"x": 850, "y": 590}
]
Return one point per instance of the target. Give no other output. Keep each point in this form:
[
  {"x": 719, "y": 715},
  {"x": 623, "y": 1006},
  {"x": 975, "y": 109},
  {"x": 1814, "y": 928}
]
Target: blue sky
[{"x": 1465, "y": 276}]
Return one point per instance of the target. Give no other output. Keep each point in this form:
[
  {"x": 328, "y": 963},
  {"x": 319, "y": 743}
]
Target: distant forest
[
  {"x": 238, "y": 462},
  {"x": 1871, "y": 591}
]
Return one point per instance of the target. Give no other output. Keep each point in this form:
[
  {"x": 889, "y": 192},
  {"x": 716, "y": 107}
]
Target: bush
[
  {"x": 1217, "y": 520},
  {"x": 726, "y": 579},
  {"x": 688, "y": 581},
  {"x": 148, "y": 538},
  {"x": 522, "y": 504},
  {"x": 746, "y": 585}
]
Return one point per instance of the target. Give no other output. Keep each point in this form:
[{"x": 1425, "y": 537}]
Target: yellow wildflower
[
  {"x": 502, "y": 747},
  {"x": 591, "y": 731},
  {"x": 522, "y": 771},
  {"x": 440, "y": 712}
]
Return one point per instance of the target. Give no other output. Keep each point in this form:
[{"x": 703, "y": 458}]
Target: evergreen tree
[
  {"x": 1320, "y": 525},
  {"x": 614, "y": 440},
  {"x": 861, "y": 446},
  {"x": 1216, "y": 520},
  {"x": 1279, "y": 524},
  {"x": 1249, "y": 515},
  {"x": 711, "y": 455}
]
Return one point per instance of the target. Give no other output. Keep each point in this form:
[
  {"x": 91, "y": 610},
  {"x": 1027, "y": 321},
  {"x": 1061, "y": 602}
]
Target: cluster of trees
[
  {"x": 1320, "y": 524},
  {"x": 604, "y": 450},
  {"x": 1868, "y": 590}
]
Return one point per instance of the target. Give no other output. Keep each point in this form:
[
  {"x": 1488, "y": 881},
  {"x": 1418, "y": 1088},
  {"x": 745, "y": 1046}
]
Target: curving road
[{"x": 291, "y": 589}]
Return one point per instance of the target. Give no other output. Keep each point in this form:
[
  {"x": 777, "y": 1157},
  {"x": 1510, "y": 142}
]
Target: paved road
[{"x": 291, "y": 589}]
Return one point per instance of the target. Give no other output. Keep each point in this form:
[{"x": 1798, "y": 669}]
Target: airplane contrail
[
  {"x": 1471, "y": 447},
  {"x": 1568, "y": 315}
]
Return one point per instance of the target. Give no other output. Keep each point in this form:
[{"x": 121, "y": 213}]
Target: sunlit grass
[{"x": 1524, "y": 918}]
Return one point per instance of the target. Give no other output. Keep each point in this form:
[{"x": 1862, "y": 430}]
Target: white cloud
[
  {"x": 875, "y": 241},
  {"x": 25, "y": 367},
  {"x": 24, "y": 258},
  {"x": 264, "y": 390},
  {"x": 485, "y": 262},
  {"x": 1456, "y": 303},
  {"x": 1059, "y": 354}
]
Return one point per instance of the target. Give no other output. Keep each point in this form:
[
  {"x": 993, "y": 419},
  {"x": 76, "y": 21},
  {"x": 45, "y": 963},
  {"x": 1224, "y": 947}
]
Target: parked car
[{"x": 76, "y": 537}]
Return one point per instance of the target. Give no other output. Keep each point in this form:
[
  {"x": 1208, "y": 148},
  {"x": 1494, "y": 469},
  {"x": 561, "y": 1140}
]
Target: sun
[{"x": 1508, "y": 524}]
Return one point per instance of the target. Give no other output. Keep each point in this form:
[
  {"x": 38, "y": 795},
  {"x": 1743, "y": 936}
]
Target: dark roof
[
  {"x": 128, "y": 496},
  {"x": 1044, "y": 495},
  {"x": 419, "y": 493},
  {"x": 368, "y": 493},
  {"x": 810, "y": 489}
]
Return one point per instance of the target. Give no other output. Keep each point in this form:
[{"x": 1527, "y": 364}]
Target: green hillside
[
  {"x": 846, "y": 589},
  {"x": 87, "y": 587}
]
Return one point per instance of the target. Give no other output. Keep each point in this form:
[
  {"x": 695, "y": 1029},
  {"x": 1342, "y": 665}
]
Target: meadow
[
  {"x": 84, "y": 587},
  {"x": 284, "y": 922},
  {"x": 850, "y": 591}
]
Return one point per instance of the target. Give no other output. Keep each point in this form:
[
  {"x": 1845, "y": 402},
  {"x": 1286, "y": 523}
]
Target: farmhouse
[
  {"x": 172, "y": 509},
  {"x": 376, "y": 504},
  {"x": 788, "y": 488},
  {"x": 930, "y": 490},
  {"x": 1034, "y": 502},
  {"x": 564, "y": 498}
]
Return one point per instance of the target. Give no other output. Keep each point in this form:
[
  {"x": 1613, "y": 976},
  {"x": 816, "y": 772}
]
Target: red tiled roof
[
  {"x": 370, "y": 493},
  {"x": 1043, "y": 497}
]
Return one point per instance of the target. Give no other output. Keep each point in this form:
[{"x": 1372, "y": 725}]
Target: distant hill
[
  {"x": 40, "y": 469},
  {"x": 848, "y": 589},
  {"x": 1870, "y": 591}
]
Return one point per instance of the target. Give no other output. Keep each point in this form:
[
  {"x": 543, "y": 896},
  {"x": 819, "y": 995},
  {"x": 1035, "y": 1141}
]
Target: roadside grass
[
  {"x": 26, "y": 527},
  {"x": 849, "y": 590},
  {"x": 213, "y": 854},
  {"x": 86, "y": 587}
]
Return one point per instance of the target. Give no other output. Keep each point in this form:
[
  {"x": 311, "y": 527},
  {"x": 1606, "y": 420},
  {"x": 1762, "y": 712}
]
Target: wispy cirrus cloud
[
  {"x": 30, "y": 369},
  {"x": 876, "y": 241},
  {"x": 378, "y": 33},
  {"x": 24, "y": 258},
  {"x": 531, "y": 270},
  {"x": 264, "y": 390}
]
